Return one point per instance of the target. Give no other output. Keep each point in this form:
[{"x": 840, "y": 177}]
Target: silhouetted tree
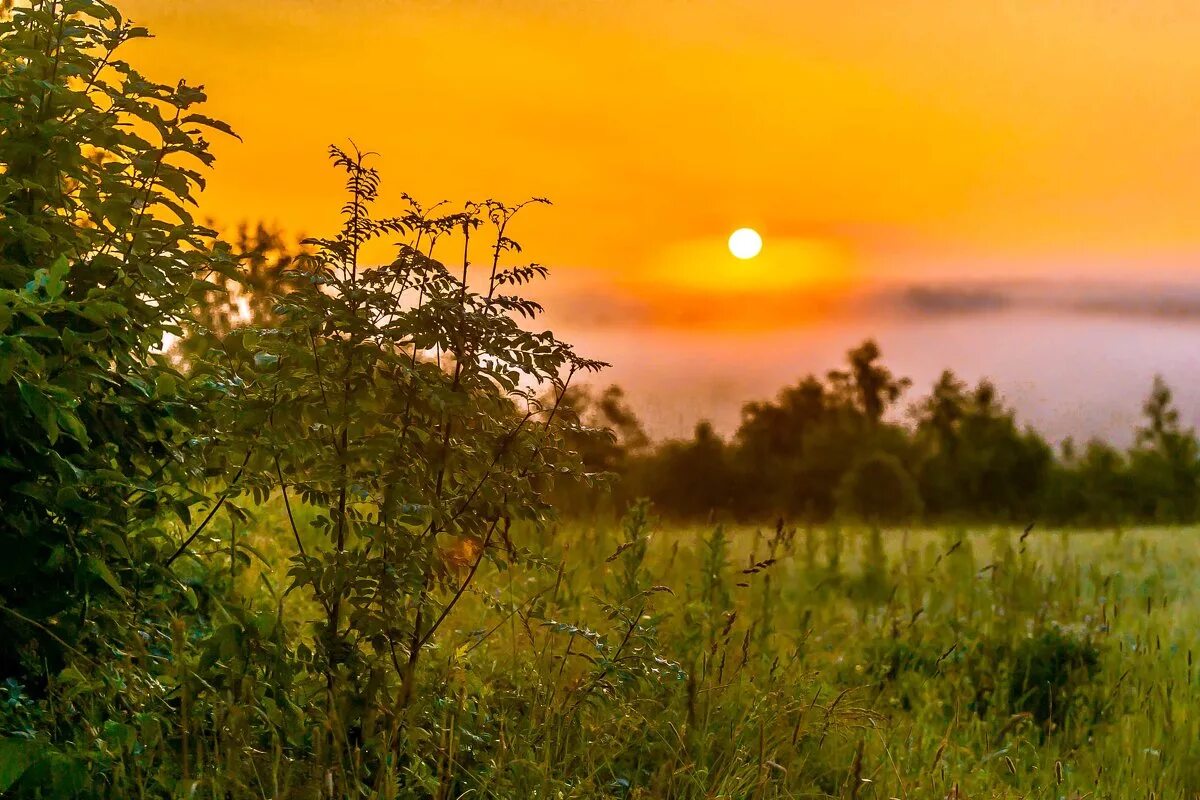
[
  {"x": 769, "y": 448},
  {"x": 609, "y": 437},
  {"x": 870, "y": 385},
  {"x": 823, "y": 447},
  {"x": 975, "y": 461},
  {"x": 690, "y": 478},
  {"x": 1165, "y": 462},
  {"x": 1089, "y": 488}
]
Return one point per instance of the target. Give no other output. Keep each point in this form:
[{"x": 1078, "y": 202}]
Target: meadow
[{"x": 642, "y": 660}]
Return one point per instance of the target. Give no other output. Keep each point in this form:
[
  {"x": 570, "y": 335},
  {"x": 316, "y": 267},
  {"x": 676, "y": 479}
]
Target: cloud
[
  {"x": 954, "y": 299},
  {"x": 1178, "y": 301},
  {"x": 587, "y": 300}
]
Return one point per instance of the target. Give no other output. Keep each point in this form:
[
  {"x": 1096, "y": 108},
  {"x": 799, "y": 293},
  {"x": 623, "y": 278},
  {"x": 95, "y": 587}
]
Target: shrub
[
  {"x": 401, "y": 404},
  {"x": 878, "y": 489},
  {"x": 1049, "y": 671},
  {"x": 98, "y": 250}
]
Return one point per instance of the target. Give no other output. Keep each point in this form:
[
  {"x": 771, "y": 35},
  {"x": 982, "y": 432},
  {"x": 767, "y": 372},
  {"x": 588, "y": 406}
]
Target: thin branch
[
  {"x": 48, "y": 632},
  {"x": 224, "y": 496},
  {"x": 288, "y": 506},
  {"x": 462, "y": 588}
]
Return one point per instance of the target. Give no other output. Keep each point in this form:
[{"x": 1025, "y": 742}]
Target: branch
[
  {"x": 462, "y": 588},
  {"x": 224, "y": 496},
  {"x": 288, "y": 507}
]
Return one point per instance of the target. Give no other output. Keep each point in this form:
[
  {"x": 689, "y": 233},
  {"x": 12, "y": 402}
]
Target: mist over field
[{"x": 1073, "y": 358}]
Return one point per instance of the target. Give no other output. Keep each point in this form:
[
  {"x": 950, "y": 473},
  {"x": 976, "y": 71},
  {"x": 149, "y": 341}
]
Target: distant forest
[
  {"x": 828, "y": 448},
  {"x": 852, "y": 444}
]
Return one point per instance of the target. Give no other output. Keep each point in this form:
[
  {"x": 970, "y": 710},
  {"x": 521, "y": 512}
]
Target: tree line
[{"x": 847, "y": 445}]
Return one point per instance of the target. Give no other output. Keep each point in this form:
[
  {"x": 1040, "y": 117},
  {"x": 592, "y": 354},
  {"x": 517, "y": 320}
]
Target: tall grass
[{"x": 638, "y": 661}]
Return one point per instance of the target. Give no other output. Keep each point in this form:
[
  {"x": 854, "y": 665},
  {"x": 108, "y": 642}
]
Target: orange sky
[{"x": 866, "y": 140}]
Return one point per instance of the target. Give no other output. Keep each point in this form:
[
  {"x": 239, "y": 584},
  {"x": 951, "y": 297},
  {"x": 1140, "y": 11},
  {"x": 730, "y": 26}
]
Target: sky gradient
[{"x": 872, "y": 143}]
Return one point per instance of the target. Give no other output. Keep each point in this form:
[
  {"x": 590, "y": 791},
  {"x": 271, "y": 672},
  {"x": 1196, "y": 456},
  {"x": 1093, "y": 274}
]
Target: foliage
[
  {"x": 242, "y": 297},
  {"x": 798, "y": 457},
  {"x": 1165, "y": 462},
  {"x": 879, "y": 490},
  {"x": 1047, "y": 673},
  {"x": 692, "y": 477},
  {"x": 609, "y": 438},
  {"x": 982, "y": 661},
  {"x": 98, "y": 252},
  {"x": 395, "y": 409},
  {"x": 379, "y": 600},
  {"x": 867, "y": 385},
  {"x": 974, "y": 459},
  {"x": 401, "y": 404}
]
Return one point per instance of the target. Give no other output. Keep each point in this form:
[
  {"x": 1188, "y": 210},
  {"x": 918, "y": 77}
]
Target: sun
[{"x": 745, "y": 243}]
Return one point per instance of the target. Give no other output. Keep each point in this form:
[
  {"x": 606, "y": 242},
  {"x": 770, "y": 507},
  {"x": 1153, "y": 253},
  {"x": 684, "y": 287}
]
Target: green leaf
[
  {"x": 55, "y": 284},
  {"x": 39, "y": 405},
  {"x": 101, "y": 571},
  {"x": 73, "y": 426},
  {"x": 264, "y": 360},
  {"x": 16, "y": 757},
  {"x": 209, "y": 122},
  {"x": 166, "y": 384}
]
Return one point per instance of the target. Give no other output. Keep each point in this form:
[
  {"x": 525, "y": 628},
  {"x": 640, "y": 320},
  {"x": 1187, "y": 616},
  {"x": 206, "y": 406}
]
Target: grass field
[{"x": 636, "y": 660}]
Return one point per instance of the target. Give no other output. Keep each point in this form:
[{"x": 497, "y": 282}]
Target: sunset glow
[
  {"x": 946, "y": 139},
  {"x": 878, "y": 146}
]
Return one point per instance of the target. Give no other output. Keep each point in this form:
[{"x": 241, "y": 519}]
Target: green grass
[
  {"x": 634, "y": 660},
  {"x": 946, "y": 663}
]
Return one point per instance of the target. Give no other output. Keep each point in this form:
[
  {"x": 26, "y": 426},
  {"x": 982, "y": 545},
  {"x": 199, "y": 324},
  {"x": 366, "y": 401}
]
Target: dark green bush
[
  {"x": 1048, "y": 673},
  {"x": 1046, "y": 676},
  {"x": 98, "y": 257},
  {"x": 878, "y": 489}
]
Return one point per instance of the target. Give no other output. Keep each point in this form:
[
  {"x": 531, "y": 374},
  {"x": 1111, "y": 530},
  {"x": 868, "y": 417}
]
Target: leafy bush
[
  {"x": 98, "y": 250},
  {"x": 879, "y": 490},
  {"x": 396, "y": 408},
  {"x": 1048, "y": 671},
  {"x": 401, "y": 404},
  {"x": 1046, "y": 676}
]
